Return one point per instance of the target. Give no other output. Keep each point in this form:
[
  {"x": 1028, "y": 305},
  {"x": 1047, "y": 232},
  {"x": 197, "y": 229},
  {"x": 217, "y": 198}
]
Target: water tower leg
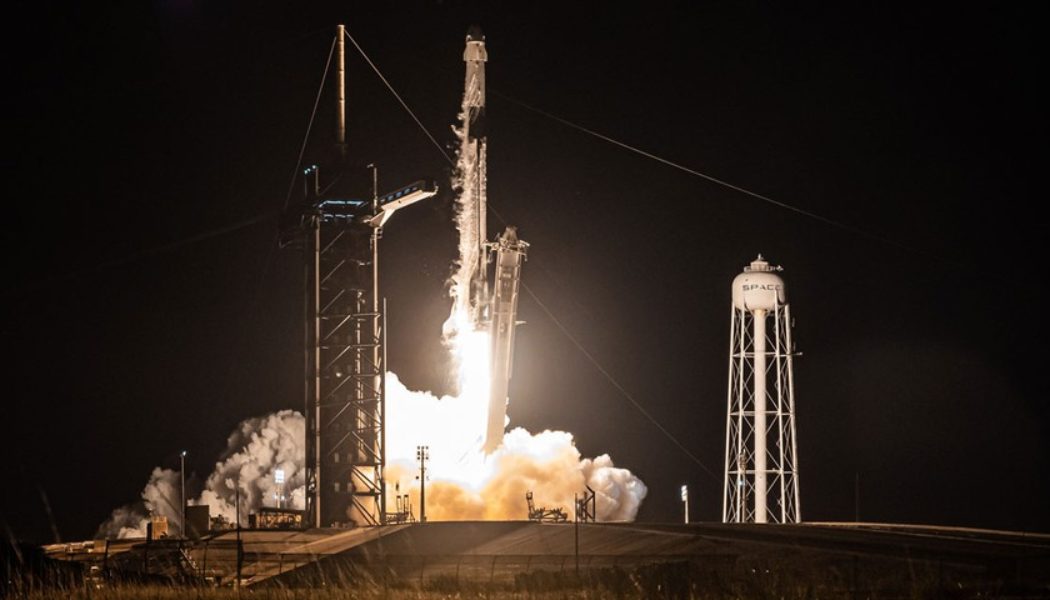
[{"x": 760, "y": 416}]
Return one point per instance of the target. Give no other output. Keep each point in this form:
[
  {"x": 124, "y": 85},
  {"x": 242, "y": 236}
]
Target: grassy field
[
  {"x": 168, "y": 593},
  {"x": 782, "y": 578},
  {"x": 669, "y": 581}
]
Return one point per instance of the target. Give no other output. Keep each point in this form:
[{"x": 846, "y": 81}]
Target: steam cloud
[
  {"x": 463, "y": 483},
  {"x": 465, "y": 183},
  {"x": 254, "y": 451}
]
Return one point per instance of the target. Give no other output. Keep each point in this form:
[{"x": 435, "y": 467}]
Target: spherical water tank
[{"x": 758, "y": 287}]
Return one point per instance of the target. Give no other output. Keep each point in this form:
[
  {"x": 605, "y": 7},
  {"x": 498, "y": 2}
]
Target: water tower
[{"x": 761, "y": 474}]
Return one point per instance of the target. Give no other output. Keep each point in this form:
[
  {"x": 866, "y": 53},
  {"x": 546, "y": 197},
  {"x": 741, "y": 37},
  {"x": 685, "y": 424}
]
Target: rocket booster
[
  {"x": 473, "y": 151},
  {"x": 510, "y": 254},
  {"x": 492, "y": 308}
]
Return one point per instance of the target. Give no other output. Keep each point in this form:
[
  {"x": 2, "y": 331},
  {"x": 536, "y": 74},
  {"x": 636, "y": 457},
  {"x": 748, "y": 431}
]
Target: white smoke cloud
[
  {"x": 160, "y": 497},
  {"x": 463, "y": 482},
  {"x": 466, "y": 484},
  {"x": 259, "y": 447},
  {"x": 254, "y": 451},
  {"x": 464, "y": 182},
  {"x": 469, "y": 183}
]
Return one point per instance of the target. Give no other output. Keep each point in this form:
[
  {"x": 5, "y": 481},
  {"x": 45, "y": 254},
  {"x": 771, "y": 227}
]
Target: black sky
[{"x": 132, "y": 131}]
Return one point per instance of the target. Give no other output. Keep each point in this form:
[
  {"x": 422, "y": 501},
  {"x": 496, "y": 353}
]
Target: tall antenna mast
[{"x": 340, "y": 132}]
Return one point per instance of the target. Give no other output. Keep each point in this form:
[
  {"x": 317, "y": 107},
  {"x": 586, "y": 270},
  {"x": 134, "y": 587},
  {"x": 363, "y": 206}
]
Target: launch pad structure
[
  {"x": 345, "y": 333},
  {"x": 346, "y": 359},
  {"x": 345, "y": 338}
]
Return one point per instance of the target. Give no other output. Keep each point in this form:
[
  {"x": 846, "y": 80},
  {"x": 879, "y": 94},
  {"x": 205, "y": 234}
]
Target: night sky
[{"x": 148, "y": 310}]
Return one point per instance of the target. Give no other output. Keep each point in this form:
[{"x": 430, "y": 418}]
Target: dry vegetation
[
  {"x": 34, "y": 577},
  {"x": 665, "y": 581}
]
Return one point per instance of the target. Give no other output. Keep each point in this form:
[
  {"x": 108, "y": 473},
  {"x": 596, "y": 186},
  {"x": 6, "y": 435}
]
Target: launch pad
[{"x": 829, "y": 557}]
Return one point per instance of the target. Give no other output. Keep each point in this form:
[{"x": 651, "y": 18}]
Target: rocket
[
  {"x": 473, "y": 157},
  {"x": 492, "y": 307}
]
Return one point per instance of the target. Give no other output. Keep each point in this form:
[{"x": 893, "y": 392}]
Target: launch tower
[
  {"x": 345, "y": 361},
  {"x": 761, "y": 470}
]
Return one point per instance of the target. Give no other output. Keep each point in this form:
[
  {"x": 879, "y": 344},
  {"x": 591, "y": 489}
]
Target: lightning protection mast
[{"x": 761, "y": 470}]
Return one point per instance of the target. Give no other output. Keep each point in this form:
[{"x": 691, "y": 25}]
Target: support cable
[
  {"x": 630, "y": 398},
  {"x": 712, "y": 179},
  {"x": 398, "y": 96},
  {"x": 309, "y": 127},
  {"x": 141, "y": 254}
]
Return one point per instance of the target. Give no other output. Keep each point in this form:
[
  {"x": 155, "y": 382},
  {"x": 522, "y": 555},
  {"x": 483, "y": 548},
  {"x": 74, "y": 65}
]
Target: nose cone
[
  {"x": 474, "y": 34},
  {"x": 475, "y": 46}
]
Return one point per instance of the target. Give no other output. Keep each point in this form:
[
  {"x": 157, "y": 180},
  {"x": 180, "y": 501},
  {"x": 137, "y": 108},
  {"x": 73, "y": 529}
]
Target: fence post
[{"x": 204, "y": 562}]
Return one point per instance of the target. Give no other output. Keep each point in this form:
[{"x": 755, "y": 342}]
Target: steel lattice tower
[
  {"x": 345, "y": 359},
  {"x": 345, "y": 362},
  {"x": 346, "y": 369},
  {"x": 761, "y": 470}
]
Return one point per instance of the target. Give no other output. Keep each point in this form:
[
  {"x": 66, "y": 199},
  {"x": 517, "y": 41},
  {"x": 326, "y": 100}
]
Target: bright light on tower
[
  {"x": 278, "y": 480},
  {"x": 685, "y": 502}
]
